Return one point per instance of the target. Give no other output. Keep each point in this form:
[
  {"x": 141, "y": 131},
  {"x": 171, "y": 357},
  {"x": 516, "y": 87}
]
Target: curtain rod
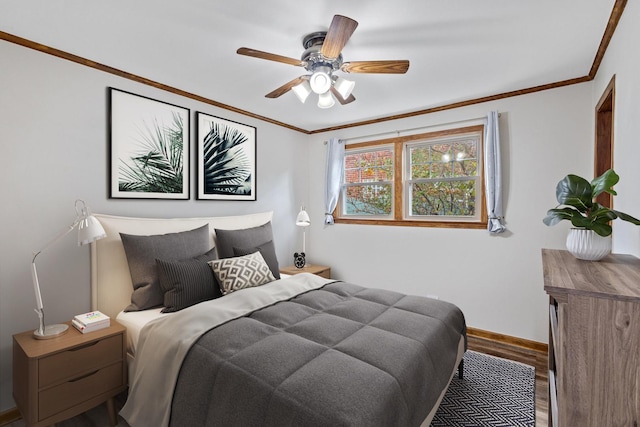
[{"x": 398, "y": 132}]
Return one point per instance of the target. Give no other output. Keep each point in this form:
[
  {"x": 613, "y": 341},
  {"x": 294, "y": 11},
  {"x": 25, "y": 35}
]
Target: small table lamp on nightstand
[
  {"x": 299, "y": 259},
  {"x": 89, "y": 230}
]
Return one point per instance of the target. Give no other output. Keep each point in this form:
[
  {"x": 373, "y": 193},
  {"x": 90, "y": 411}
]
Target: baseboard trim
[
  {"x": 509, "y": 340},
  {"x": 9, "y": 416}
]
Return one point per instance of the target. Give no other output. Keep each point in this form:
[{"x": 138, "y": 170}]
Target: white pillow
[{"x": 241, "y": 272}]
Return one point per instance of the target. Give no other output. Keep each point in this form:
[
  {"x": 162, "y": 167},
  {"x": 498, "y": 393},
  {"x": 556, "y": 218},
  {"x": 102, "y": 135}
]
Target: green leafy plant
[
  {"x": 577, "y": 203},
  {"x": 227, "y": 169},
  {"x": 157, "y": 167}
]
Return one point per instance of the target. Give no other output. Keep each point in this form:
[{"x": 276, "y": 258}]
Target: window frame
[{"x": 400, "y": 197}]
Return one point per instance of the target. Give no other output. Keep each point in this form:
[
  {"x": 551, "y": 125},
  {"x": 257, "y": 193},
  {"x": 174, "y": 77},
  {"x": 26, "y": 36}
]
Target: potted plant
[{"x": 590, "y": 239}]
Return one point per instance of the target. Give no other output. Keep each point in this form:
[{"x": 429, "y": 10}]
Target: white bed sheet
[{"x": 134, "y": 321}]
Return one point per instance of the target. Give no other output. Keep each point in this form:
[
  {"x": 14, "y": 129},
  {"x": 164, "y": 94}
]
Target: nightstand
[
  {"x": 62, "y": 377},
  {"x": 320, "y": 270}
]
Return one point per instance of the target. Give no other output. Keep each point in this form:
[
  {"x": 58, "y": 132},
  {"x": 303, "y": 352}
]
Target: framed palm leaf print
[
  {"x": 226, "y": 159},
  {"x": 149, "y": 148}
]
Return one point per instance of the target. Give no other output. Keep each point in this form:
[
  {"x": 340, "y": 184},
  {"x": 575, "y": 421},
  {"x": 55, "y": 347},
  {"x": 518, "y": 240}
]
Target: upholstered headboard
[{"x": 111, "y": 284}]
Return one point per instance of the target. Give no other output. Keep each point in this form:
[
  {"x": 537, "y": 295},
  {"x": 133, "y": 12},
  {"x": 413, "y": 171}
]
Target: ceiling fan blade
[
  {"x": 285, "y": 88},
  {"x": 339, "y": 97},
  {"x": 379, "y": 67},
  {"x": 338, "y": 35},
  {"x": 270, "y": 56}
]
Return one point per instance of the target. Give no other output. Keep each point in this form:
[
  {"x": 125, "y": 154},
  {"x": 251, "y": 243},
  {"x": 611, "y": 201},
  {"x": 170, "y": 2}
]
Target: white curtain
[
  {"x": 493, "y": 174},
  {"x": 335, "y": 165}
]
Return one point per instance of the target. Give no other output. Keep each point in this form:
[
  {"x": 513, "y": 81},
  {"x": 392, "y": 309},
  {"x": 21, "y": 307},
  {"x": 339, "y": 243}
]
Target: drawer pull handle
[
  {"x": 84, "y": 376},
  {"x": 91, "y": 344}
]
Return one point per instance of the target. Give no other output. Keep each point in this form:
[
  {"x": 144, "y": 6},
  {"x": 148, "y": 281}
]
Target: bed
[{"x": 264, "y": 349}]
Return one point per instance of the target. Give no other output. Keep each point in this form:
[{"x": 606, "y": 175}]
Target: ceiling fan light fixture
[
  {"x": 344, "y": 87},
  {"x": 325, "y": 100},
  {"x": 302, "y": 90},
  {"x": 320, "y": 81}
]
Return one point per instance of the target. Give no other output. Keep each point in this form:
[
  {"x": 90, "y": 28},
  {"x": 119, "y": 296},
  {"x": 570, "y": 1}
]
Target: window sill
[{"x": 410, "y": 223}]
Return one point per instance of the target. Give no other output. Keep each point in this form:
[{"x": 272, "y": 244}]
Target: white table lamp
[
  {"x": 302, "y": 220},
  {"x": 89, "y": 230}
]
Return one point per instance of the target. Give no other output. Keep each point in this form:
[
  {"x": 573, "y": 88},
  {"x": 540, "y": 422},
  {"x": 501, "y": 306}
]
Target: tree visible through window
[
  {"x": 432, "y": 179},
  {"x": 368, "y": 178},
  {"x": 443, "y": 178}
]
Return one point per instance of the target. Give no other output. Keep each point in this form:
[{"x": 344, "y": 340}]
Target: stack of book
[{"x": 92, "y": 321}]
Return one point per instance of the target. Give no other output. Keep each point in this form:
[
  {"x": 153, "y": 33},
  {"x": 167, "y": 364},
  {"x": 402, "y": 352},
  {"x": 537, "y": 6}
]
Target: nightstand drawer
[
  {"x": 63, "y": 396},
  {"x": 70, "y": 363}
]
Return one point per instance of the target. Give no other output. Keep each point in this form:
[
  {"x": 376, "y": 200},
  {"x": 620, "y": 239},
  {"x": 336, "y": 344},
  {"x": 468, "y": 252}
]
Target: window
[
  {"x": 433, "y": 179},
  {"x": 368, "y": 183}
]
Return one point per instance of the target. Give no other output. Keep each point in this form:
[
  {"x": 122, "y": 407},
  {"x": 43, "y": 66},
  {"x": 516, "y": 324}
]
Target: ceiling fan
[{"x": 322, "y": 58}]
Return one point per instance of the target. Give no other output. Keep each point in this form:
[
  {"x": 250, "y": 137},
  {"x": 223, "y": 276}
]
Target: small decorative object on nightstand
[
  {"x": 299, "y": 258},
  {"x": 57, "y": 379},
  {"x": 320, "y": 270}
]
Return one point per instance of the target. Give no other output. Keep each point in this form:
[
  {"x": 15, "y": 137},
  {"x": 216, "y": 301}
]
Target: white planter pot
[{"x": 587, "y": 244}]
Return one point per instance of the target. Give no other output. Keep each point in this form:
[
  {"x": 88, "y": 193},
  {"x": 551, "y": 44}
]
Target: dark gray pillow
[
  {"x": 142, "y": 252},
  {"x": 268, "y": 252},
  {"x": 187, "y": 282},
  {"x": 243, "y": 238}
]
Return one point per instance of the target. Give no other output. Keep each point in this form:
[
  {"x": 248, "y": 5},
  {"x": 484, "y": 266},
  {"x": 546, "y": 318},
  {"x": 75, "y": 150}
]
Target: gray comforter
[{"x": 342, "y": 355}]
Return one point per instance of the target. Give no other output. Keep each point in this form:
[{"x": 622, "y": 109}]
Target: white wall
[
  {"x": 53, "y": 135},
  {"x": 496, "y": 280},
  {"x": 622, "y": 61}
]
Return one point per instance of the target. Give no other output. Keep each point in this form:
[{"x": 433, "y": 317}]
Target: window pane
[
  {"x": 453, "y": 198},
  {"x": 440, "y": 170},
  {"x": 371, "y": 199},
  {"x": 369, "y": 166},
  {"x": 465, "y": 168},
  {"x": 441, "y": 153}
]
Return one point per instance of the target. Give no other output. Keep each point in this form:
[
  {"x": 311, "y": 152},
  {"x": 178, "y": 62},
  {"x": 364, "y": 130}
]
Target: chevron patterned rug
[{"x": 493, "y": 392}]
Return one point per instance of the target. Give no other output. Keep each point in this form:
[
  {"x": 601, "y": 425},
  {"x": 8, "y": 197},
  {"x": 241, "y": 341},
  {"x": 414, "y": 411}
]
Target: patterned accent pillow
[
  {"x": 268, "y": 252},
  {"x": 241, "y": 272}
]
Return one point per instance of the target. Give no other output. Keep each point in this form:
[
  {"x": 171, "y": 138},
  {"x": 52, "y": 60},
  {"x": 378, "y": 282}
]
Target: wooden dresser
[{"x": 594, "y": 340}]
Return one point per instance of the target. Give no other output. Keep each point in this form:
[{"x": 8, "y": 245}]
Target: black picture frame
[
  {"x": 149, "y": 148},
  {"x": 226, "y": 159}
]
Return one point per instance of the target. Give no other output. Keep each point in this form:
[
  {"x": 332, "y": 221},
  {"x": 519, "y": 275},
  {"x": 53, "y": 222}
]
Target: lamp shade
[
  {"x": 302, "y": 90},
  {"x": 325, "y": 100},
  {"x": 303, "y": 219},
  {"x": 344, "y": 87},
  {"x": 90, "y": 230}
]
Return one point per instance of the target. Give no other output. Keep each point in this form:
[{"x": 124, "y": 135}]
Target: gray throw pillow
[
  {"x": 249, "y": 239},
  {"x": 187, "y": 282},
  {"x": 268, "y": 252},
  {"x": 142, "y": 252}
]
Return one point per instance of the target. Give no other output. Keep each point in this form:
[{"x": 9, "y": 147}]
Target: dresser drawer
[
  {"x": 68, "y": 364},
  {"x": 63, "y": 396}
]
